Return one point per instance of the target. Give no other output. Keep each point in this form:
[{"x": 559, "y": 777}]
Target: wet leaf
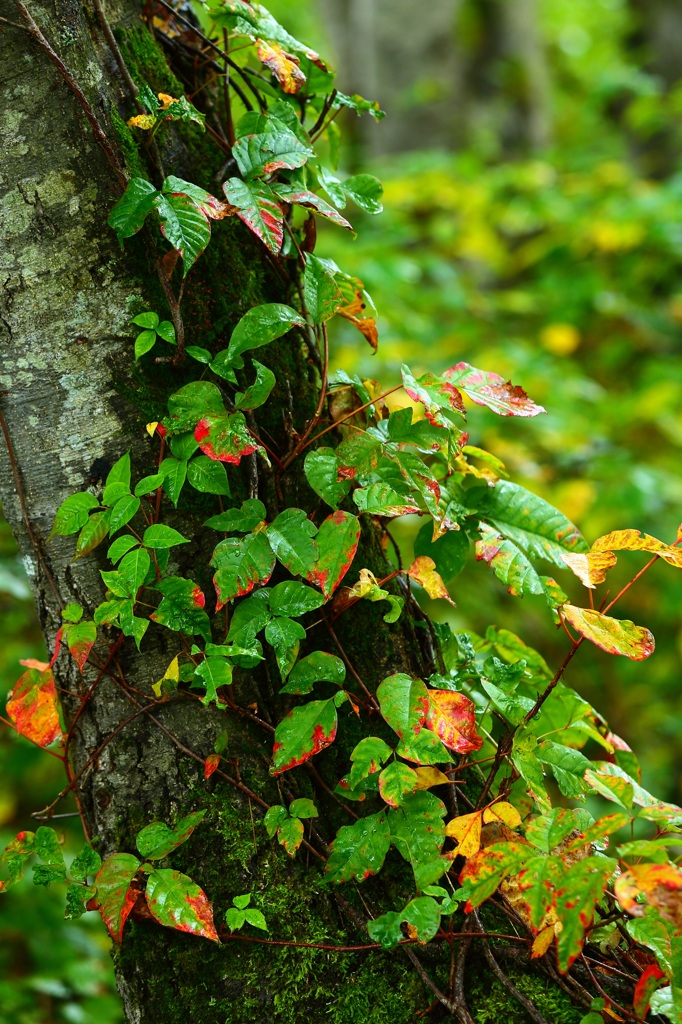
[
  {"x": 290, "y": 835},
  {"x": 380, "y": 499},
  {"x": 207, "y": 203},
  {"x": 240, "y": 564},
  {"x": 450, "y": 552},
  {"x": 177, "y": 902},
  {"x": 359, "y": 850},
  {"x": 615, "y": 636},
  {"x": 367, "y": 758},
  {"x": 451, "y": 716},
  {"x": 424, "y": 748},
  {"x": 548, "y": 830},
  {"x": 258, "y": 392},
  {"x": 386, "y": 929},
  {"x": 225, "y": 437},
  {"x": 80, "y": 638},
  {"x": 86, "y": 864},
  {"x": 423, "y": 572},
  {"x": 32, "y": 707},
  {"x": 174, "y": 475},
  {"x": 441, "y": 400},
  {"x": 491, "y": 390},
  {"x": 266, "y": 152},
  {"x": 511, "y": 566},
  {"x": 182, "y": 607},
  {"x": 260, "y": 326},
  {"x": 418, "y": 832},
  {"x": 604, "y": 826},
  {"x": 404, "y": 704},
  {"x": 316, "y": 667},
  {"x": 633, "y": 540},
  {"x": 72, "y": 514},
  {"x": 291, "y": 538},
  {"x": 321, "y": 292},
  {"x": 483, "y": 873},
  {"x": 115, "y": 898},
  {"x": 284, "y": 66},
  {"x": 302, "y": 197},
  {"x": 337, "y": 542},
  {"x": 92, "y": 534},
  {"x": 257, "y": 207},
  {"x": 304, "y": 732},
  {"x": 128, "y": 215},
  {"x": 157, "y": 840},
  {"x": 211, "y": 765},
  {"x": 502, "y": 811},
  {"x": 239, "y": 520},
  {"x": 160, "y": 536},
  {"x": 184, "y": 225},
  {"x": 395, "y": 782}
]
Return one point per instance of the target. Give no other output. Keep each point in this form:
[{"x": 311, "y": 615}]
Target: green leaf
[
  {"x": 92, "y": 534},
  {"x": 72, "y": 612},
  {"x": 214, "y": 673},
  {"x": 322, "y": 470},
  {"x": 240, "y": 564},
  {"x": 47, "y": 847},
  {"x": 316, "y": 668},
  {"x": 359, "y": 850},
  {"x": 285, "y": 635},
  {"x": 182, "y": 607},
  {"x": 133, "y": 569},
  {"x": 77, "y": 898},
  {"x": 258, "y": 209},
  {"x": 122, "y": 512},
  {"x": 568, "y": 767},
  {"x": 511, "y": 566},
  {"x": 404, "y": 704},
  {"x": 202, "y": 355},
  {"x": 395, "y": 782},
  {"x": 293, "y": 599},
  {"x": 364, "y": 189},
  {"x": 144, "y": 342},
  {"x": 424, "y": 748},
  {"x": 249, "y": 617},
  {"x": 483, "y": 872},
  {"x": 615, "y": 636},
  {"x": 157, "y": 840},
  {"x": 149, "y": 320},
  {"x": 258, "y": 392},
  {"x": 174, "y": 474},
  {"x": 532, "y": 523},
  {"x": 260, "y": 326},
  {"x": 320, "y": 290},
  {"x": 185, "y": 226},
  {"x": 582, "y": 887},
  {"x": 235, "y": 919},
  {"x": 160, "y": 536},
  {"x": 206, "y": 202},
  {"x": 274, "y": 816},
  {"x": 177, "y": 902},
  {"x": 148, "y": 484},
  {"x": 190, "y": 403},
  {"x": 114, "y": 896},
  {"x": 239, "y": 520},
  {"x": 255, "y": 919},
  {"x": 180, "y": 110},
  {"x": 225, "y": 437},
  {"x": 547, "y": 831},
  {"x": 270, "y": 151},
  {"x": 491, "y": 390},
  {"x": 536, "y": 882},
  {"x": 72, "y": 514},
  {"x": 337, "y": 542},
  {"x": 303, "y": 808},
  {"x": 290, "y": 835},
  {"x": 417, "y": 829},
  {"x": 120, "y": 546},
  {"x": 132, "y": 625},
  {"x": 381, "y": 499},
  {"x": 386, "y": 930},
  {"x": 304, "y": 732},
  {"x": 128, "y": 215},
  {"x": 291, "y": 538},
  {"x": 367, "y": 758},
  {"x": 442, "y": 403},
  {"x": 423, "y": 915},
  {"x": 121, "y": 470}
]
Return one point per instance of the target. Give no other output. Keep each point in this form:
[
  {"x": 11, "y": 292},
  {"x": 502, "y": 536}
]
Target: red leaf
[
  {"x": 647, "y": 984},
  {"x": 485, "y": 388},
  {"x": 211, "y": 764},
  {"x": 177, "y": 902},
  {"x": 615, "y": 636},
  {"x": 304, "y": 732},
  {"x": 451, "y": 716},
  {"x": 337, "y": 542},
  {"x": 32, "y": 707},
  {"x": 224, "y": 437}
]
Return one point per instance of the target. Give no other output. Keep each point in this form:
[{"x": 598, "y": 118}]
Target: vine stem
[
  {"x": 301, "y": 443},
  {"x": 348, "y": 416}
]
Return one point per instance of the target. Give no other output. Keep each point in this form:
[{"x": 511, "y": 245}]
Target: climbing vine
[{"x": 476, "y": 773}]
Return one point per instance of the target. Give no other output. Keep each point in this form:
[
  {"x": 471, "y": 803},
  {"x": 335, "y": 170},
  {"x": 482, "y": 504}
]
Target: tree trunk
[{"x": 72, "y": 397}]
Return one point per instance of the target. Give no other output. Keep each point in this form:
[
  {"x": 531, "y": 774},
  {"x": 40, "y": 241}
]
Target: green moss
[
  {"x": 128, "y": 146},
  {"x": 146, "y": 61},
  {"x": 489, "y": 1002}
]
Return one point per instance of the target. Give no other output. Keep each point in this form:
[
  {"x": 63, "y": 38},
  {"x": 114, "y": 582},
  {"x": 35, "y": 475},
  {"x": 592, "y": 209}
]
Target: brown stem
[{"x": 301, "y": 443}]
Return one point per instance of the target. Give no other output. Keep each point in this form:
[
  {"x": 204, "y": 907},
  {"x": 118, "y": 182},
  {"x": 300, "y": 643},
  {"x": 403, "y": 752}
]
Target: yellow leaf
[
  {"x": 364, "y": 585},
  {"x": 427, "y": 777},
  {"x": 171, "y": 675},
  {"x": 633, "y": 540},
  {"x": 423, "y": 572},
  {"x": 467, "y": 831},
  {"x": 284, "y": 66},
  {"x": 543, "y": 940},
  {"x": 590, "y": 568},
  {"x": 144, "y": 121},
  {"x": 503, "y": 812},
  {"x": 166, "y": 100},
  {"x": 151, "y": 427}
]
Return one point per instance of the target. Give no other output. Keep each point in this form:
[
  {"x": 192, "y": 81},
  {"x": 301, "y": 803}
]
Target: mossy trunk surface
[{"x": 72, "y": 396}]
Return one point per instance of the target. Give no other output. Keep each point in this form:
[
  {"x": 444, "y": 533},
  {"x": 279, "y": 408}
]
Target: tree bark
[{"x": 72, "y": 397}]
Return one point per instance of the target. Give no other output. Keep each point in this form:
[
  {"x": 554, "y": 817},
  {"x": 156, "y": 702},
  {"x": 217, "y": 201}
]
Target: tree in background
[{"x": 211, "y": 739}]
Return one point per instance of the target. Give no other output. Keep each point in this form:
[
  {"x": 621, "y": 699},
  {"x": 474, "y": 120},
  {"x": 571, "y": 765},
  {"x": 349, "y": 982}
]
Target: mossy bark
[{"x": 72, "y": 396}]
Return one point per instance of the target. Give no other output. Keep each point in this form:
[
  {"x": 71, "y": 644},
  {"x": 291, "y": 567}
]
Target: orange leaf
[
  {"x": 467, "y": 831},
  {"x": 660, "y": 883},
  {"x": 645, "y": 987},
  {"x": 211, "y": 765},
  {"x": 590, "y": 568},
  {"x": 34, "y": 663},
  {"x": 423, "y": 572},
  {"x": 32, "y": 707},
  {"x": 451, "y": 716},
  {"x": 542, "y": 941},
  {"x": 366, "y": 325},
  {"x": 503, "y": 812},
  {"x": 284, "y": 66}
]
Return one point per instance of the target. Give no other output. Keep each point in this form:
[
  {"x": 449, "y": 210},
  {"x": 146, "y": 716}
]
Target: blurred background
[{"x": 532, "y": 226}]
